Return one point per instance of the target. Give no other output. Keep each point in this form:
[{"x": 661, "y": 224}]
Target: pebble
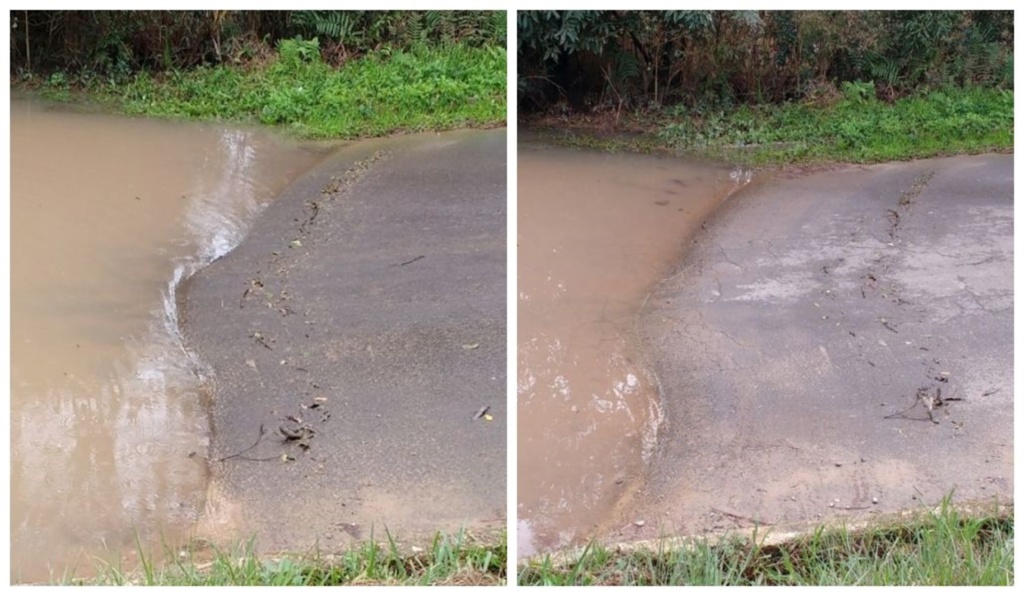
[
  {"x": 639, "y": 523},
  {"x": 874, "y": 500}
]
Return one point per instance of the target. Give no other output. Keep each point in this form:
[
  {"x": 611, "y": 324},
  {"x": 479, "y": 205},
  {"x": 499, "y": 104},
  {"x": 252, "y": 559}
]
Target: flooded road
[
  {"x": 596, "y": 233},
  {"x": 109, "y": 429}
]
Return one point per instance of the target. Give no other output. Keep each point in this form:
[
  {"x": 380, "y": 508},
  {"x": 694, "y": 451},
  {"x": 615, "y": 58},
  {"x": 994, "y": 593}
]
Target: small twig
[
  {"x": 263, "y": 431},
  {"x": 413, "y": 260},
  {"x": 258, "y": 337},
  {"x": 739, "y": 517}
]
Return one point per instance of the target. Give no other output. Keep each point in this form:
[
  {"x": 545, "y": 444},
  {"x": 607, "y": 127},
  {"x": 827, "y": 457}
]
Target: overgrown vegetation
[
  {"x": 450, "y": 560},
  {"x": 720, "y": 59},
  {"x": 116, "y": 44},
  {"x": 857, "y": 127},
  {"x": 324, "y": 74},
  {"x": 945, "y": 547},
  {"x": 773, "y": 86}
]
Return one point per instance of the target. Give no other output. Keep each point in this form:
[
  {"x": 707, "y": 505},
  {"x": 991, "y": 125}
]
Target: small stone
[
  {"x": 874, "y": 500},
  {"x": 639, "y": 523},
  {"x": 839, "y": 465}
]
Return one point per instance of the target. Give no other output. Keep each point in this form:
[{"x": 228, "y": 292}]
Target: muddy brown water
[
  {"x": 596, "y": 233},
  {"x": 108, "y": 426}
]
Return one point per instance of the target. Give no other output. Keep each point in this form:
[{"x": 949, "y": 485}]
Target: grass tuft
[
  {"x": 451, "y": 560},
  {"x": 943, "y": 547}
]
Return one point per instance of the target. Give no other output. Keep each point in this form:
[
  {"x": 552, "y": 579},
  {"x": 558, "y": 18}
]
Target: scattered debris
[
  {"x": 301, "y": 434},
  {"x": 930, "y": 402},
  {"x": 920, "y": 183},
  {"x": 481, "y": 412},
  {"x": 258, "y": 337}
]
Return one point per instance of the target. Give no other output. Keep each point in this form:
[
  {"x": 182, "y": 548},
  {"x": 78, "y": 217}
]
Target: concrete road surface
[
  {"x": 353, "y": 337},
  {"x": 837, "y": 344}
]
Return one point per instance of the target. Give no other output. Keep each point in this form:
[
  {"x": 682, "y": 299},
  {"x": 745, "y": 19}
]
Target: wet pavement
[
  {"x": 350, "y": 342},
  {"x": 837, "y": 344}
]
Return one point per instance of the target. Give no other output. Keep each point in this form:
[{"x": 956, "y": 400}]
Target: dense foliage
[
  {"x": 648, "y": 59},
  {"x": 119, "y": 43}
]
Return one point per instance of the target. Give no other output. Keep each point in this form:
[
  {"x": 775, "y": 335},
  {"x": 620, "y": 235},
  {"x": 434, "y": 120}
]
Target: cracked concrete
[{"x": 797, "y": 346}]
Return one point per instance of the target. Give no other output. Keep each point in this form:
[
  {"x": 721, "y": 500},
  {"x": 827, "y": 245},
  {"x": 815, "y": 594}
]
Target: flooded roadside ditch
[
  {"x": 596, "y": 234},
  {"x": 109, "y": 430}
]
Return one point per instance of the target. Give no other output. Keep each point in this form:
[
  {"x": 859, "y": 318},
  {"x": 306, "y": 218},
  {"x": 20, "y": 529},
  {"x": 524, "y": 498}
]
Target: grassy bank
[
  {"x": 450, "y": 560},
  {"x": 423, "y": 88},
  {"x": 850, "y": 126},
  {"x": 946, "y": 547}
]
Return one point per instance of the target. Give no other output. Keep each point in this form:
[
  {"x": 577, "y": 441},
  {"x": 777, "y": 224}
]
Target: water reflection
[
  {"x": 108, "y": 426},
  {"x": 596, "y": 233}
]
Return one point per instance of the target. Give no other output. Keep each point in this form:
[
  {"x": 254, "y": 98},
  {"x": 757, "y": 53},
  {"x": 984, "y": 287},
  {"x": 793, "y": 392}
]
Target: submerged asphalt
[{"x": 352, "y": 343}]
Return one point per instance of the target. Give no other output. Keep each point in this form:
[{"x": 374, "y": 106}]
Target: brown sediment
[
  {"x": 109, "y": 421},
  {"x": 596, "y": 233}
]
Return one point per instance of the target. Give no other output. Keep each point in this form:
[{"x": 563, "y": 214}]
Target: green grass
[
  {"x": 857, "y": 128},
  {"x": 854, "y": 128},
  {"x": 426, "y": 88},
  {"x": 945, "y": 547},
  {"x": 450, "y": 560}
]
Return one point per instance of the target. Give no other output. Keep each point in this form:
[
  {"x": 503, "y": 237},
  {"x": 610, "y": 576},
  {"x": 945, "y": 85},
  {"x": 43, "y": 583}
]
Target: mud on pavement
[
  {"x": 838, "y": 344},
  {"x": 350, "y": 344}
]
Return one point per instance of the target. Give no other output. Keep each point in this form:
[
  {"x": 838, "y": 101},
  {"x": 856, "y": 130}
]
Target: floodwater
[
  {"x": 596, "y": 234},
  {"x": 109, "y": 429}
]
